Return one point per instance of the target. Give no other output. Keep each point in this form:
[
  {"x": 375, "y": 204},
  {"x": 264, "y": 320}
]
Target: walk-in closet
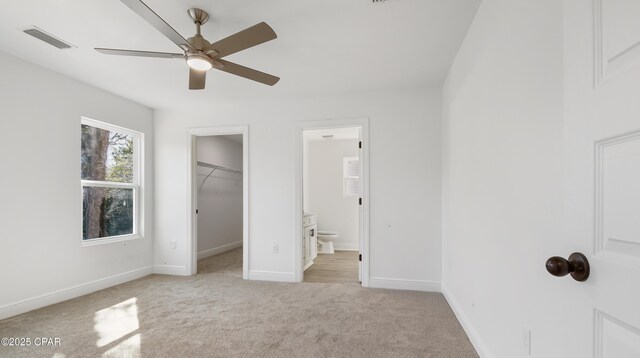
[{"x": 219, "y": 162}]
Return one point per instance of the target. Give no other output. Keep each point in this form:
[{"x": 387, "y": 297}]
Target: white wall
[
  {"x": 325, "y": 190},
  {"x": 41, "y": 202},
  {"x": 405, "y": 220},
  {"x": 220, "y": 197},
  {"x": 502, "y": 165}
]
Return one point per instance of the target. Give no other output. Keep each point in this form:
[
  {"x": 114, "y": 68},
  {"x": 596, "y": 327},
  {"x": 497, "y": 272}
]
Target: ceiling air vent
[{"x": 48, "y": 38}]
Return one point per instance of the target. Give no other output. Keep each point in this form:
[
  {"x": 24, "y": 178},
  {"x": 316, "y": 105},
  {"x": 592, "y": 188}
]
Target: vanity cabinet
[{"x": 309, "y": 240}]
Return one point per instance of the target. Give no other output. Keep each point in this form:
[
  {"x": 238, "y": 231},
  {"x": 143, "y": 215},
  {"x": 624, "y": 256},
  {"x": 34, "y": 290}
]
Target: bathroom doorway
[
  {"x": 332, "y": 203},
  {"x": 219, "y": 202}
]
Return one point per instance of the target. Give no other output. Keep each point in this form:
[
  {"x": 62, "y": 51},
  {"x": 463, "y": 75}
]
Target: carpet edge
[
  {"x": 47, "y": 299},
  {"x": 472, "y": 333}
]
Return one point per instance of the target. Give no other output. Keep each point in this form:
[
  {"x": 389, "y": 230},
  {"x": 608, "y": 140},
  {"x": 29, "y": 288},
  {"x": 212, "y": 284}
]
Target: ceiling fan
[{"x": 201, "y": 55}]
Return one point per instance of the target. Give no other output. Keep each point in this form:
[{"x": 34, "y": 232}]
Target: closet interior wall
[{"x": 219, "y": 194}]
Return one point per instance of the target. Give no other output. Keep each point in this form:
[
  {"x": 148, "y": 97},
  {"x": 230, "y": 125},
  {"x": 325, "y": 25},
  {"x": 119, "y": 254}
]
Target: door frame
[
  {"x": 301, "y": 126},
  {"x": 192, "y": 192}
]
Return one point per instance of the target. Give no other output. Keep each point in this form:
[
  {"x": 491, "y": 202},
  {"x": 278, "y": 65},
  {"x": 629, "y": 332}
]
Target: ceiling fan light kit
[
  {"x": 200, "y": 54},
  {"x": 199, "y": 62}
]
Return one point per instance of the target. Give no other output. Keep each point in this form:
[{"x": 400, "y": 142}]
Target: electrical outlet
[
  {"x": 173, "y": 245},
  {"x": 526, "y": 341},
  {"x": 275, "y": 248}
]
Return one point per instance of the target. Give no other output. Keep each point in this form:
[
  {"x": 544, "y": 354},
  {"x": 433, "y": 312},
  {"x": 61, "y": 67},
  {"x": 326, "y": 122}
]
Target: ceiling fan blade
[
  {"x": 197, "y": 79},
  {"x": 248, "y": 73},
  {"x": 255, "y": 35},
  {"x": 156, "y": 21},
  {"x": 115, "y": 51}
]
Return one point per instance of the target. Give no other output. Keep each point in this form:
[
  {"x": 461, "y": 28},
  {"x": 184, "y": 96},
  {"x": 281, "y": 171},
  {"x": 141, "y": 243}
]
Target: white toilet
[{"x": 325, "y": 241}]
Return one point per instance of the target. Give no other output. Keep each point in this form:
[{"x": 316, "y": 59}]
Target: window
[
  {"x": 351, "y": 176},
  {"x": 110, "y": 179}
]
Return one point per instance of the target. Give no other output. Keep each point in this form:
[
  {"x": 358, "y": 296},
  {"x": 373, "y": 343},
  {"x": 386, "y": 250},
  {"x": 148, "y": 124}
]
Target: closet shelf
[{"x": 215, "y": 167}]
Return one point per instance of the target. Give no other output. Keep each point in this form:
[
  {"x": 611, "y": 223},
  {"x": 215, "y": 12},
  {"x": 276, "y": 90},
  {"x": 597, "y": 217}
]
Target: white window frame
[
  {"x": 136, "y": 185},
  {"x": 345, "y": 160}
]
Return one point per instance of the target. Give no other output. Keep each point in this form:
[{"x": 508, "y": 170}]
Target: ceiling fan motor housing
[{"x": 198, "y": 42}]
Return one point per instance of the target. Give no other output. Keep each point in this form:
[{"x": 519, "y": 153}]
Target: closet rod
[
  {"x": 219, "y": 167},
  {"x": 213, "y": 168}
]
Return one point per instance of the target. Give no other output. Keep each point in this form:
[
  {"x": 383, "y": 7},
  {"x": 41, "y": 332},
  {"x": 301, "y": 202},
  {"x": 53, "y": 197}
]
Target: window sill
[{"x": 110, "y": 240}]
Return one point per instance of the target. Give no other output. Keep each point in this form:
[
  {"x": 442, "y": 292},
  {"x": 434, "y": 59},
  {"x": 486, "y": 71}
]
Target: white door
[
  {"x": 601, "y": 316},
  {"x": 306, "y": 247},
  {"x": 360, "y": 208},
  {"x": 313, "y": 242}
]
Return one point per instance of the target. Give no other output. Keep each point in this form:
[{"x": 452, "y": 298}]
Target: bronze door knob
[{"x": 577, "y": 265}]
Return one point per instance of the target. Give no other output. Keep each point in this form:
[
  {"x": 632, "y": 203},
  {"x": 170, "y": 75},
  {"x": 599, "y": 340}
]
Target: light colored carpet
[{"x": 217, "y": 314}]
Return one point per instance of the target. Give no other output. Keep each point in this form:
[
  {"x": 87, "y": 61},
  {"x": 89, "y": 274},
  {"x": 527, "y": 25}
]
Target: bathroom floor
[{"x": 341, "y": 266}]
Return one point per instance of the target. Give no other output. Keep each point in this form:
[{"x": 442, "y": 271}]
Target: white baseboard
[
  {"x": 272, "y": 276},
  {"x": 48, "y": 299},
  {"x": 402, "y": 284},
  {"x": 219, "y": 250},
  {"x": 170, "y": 270},
  {"x": 471, "y": 332},
  {"x": 345, "y": 247}
]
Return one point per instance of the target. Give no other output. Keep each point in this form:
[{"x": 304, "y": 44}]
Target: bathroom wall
[
  {"x": 220, "y": 197},
  {"x": 324, "y": 194}
]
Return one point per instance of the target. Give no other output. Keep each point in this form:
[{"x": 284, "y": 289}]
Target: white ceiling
[{"x": 324, "y": 47}]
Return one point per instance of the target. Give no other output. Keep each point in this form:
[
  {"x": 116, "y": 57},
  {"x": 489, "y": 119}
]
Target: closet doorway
[{"x": 219, "y": 178}]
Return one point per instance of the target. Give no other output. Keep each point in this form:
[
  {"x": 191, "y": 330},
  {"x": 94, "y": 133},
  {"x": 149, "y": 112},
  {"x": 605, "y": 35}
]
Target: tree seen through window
[{"x": 107, "y": 166}]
